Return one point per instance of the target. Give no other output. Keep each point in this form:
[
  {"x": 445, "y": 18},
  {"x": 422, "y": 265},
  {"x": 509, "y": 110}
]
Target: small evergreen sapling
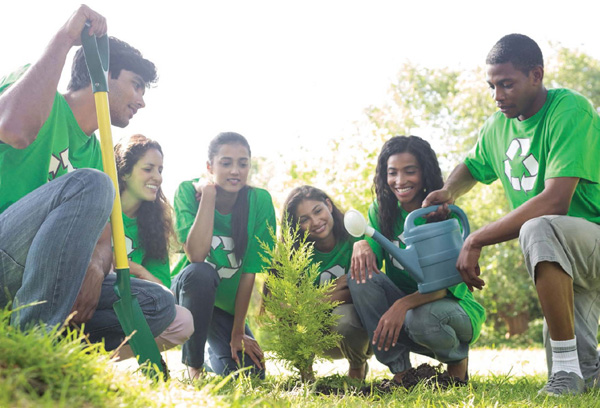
[{"x": 297, "y": 312}]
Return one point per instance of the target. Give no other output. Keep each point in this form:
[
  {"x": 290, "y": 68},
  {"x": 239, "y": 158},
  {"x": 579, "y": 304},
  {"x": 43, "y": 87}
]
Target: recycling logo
[
  {"x": 520, "y": 167},
  {"x": 331, "y": 273},
  {"x": 400, "y": 244},
  {"x": 222, "y": 253}
]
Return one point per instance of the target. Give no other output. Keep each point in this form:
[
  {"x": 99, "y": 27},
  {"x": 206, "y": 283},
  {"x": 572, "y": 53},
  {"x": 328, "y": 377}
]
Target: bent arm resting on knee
[
  {"x": 555, "y": 199},
  {"x": 197, "y": 244},
  {"x": 387, "y": 331}
]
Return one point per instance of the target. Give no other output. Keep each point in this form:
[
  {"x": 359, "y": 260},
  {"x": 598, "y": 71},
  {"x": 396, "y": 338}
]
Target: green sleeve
[
  {"x": 160, "y": 269},
  {"x": 477, "y": 160},
  {"x": 261, "y": 217},
  {"x": 11, "y": 78},
  {"x": 186, "y": 207},
  {"x": 373, "y": 221},
  {"x": 574, "y": 129}
]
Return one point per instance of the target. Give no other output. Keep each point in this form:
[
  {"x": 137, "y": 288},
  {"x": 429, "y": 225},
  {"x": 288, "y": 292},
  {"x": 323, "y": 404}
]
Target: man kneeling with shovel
[{"x": 55, "y": 243}]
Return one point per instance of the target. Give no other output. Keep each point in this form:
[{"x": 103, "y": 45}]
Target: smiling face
[
  {"x": 316, "y": 218},
  {"x": 405, "y": 179},
  {"x": 126, "y": 97},
  {"x": 230, "y": 167},
  {"x": 145, "y": 179},
  {"x": 516, "y": 94}
]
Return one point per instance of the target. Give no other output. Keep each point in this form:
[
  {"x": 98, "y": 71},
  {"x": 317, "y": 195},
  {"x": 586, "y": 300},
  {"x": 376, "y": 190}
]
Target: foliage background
[{"x": 446, "y": 107}]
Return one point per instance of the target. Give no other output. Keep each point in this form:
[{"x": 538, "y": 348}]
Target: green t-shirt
[
  {"x": 561, "y": 140},
  {"x": 407, "y": 284},
  {"x": 157, "y": 267},
  {"x": 261, "y": 215},
  {"x": 61, "y": 146},
  {"x": 335, "y": 263}
]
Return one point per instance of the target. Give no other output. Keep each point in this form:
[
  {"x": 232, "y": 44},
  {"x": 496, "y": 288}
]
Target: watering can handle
[
  {"x": 410, "y": 220},
  {"x": 97, "y": 59}
]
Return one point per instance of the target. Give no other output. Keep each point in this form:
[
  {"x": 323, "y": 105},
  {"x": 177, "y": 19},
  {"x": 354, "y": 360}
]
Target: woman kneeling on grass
[
  {"x": 221, "y": 223},
  {"x": 316, "y": 214},
  {"x": 148, "y": 226},
  {"x": 398, "y": 318}
]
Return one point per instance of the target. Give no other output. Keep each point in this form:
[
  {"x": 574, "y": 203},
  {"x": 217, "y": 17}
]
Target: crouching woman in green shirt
[
  {"x": 398, "y": 318},
  {"x": 220, "y": 224},
  {"x": 148, "y": 227},
  {"x": 316, "y": 214}
]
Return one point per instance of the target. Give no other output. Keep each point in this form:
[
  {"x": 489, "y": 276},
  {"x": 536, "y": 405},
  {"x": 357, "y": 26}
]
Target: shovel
[{"x": 127, "y": 308}]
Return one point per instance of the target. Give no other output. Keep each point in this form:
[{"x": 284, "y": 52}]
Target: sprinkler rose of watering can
[{"x": 431, "y": 249}]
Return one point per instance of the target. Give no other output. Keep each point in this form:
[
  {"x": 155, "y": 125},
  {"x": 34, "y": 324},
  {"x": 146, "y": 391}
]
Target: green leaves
[{"x": 298, "y": 313}]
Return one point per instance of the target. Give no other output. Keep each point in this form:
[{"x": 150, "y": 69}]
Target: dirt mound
[{"x": 435, "y": 377}]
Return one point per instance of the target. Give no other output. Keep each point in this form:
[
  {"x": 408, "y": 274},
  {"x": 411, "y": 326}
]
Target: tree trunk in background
[{"x": 517, "y": 324}]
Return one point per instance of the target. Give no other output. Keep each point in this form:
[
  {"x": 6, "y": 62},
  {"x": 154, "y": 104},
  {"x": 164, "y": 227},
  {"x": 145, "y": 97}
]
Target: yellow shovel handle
[{"x": 110, "y": 168}]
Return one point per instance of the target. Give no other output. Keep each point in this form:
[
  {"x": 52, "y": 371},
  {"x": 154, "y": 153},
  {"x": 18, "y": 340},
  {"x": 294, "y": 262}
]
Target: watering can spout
[{"x": 407, "y": 257}]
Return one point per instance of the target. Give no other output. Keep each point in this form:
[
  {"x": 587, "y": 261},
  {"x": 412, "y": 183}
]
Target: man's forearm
[
  {"x": 26, "y": 105},
  {"x": 460, "y": 181},
  {"x": 554, "y": 200}
]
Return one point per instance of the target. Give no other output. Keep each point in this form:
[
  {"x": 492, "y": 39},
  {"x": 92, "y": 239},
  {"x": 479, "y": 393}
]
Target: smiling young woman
[
  {"x": 316, "y": 214},
  {"x": 148, "y": 225},
  {"x": 221, "y": 223},
  {"x": 398, "y": 318}
]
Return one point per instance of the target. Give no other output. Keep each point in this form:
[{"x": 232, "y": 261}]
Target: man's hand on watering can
[
  {"x": 441, "y": 197},
  {"x": 389, "y": 327},
  {"x": 364, "y": 262},
  {"x": 468, "y": 264}
]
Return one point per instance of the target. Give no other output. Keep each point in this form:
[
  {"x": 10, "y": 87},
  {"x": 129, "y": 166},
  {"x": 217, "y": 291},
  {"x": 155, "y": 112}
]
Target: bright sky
[{"x": 286, "y": 72}]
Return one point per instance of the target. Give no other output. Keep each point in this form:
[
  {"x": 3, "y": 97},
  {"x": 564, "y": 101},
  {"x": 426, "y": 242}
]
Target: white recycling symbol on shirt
[{"x": 526, "y": 182}]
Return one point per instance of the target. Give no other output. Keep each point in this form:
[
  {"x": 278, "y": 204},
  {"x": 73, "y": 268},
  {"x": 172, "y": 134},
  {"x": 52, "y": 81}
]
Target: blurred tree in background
[{"x": 445, "y": 107}]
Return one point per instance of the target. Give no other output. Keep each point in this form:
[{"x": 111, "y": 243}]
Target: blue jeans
[
  {"x": 195, "y": 288},
  {"x": 440, "y": 329},
  {"x": 156, "y": 301},
  {"x": 46, "y": 242}
]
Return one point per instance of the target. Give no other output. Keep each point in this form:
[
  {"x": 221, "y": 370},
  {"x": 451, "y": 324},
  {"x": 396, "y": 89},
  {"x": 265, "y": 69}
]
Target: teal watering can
[{"x": 431, "y": 249}]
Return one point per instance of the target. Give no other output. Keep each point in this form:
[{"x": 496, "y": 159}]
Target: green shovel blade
[{"x": 132, "y": 319}]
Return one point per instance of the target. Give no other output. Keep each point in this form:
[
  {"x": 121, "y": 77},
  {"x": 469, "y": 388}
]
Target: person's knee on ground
[
  {"x": 176, "y": 334},
  {"x": 179, "y": 331}
]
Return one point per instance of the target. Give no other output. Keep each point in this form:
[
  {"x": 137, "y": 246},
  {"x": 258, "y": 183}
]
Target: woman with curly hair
[
  {"x": 316, "y": 214},
  {"x": 399, "y": 319},
  {"x": 148, "y": 225}
]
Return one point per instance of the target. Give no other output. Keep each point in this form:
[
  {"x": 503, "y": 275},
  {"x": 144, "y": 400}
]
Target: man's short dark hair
[
  {"x": 518, "y": 49},
  {"x": 122, "y": 56}
]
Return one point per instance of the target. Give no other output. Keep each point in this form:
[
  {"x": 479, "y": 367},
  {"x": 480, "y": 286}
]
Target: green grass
[
  {"x": 49, "y": 369},
  {"x": 491, "y": 391}
]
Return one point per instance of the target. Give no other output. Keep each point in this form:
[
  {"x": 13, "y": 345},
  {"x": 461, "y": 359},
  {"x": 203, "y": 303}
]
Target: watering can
[{"x": 431, "y": 249}]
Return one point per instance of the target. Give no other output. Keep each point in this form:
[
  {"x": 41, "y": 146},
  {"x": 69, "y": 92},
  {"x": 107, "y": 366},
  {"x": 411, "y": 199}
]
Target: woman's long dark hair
[
  {"x": 154, "y": 220},
  {"x": 239, "y": 214},
  {"x": 430, "y": 169},
  {"x": 299, "y": 194}
]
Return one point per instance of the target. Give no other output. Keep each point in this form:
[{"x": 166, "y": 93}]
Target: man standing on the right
[{"x": 544, "y": 146}]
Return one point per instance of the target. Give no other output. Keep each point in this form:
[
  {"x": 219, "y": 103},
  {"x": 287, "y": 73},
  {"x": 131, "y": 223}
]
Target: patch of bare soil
[{"x": 435, "y": 377}]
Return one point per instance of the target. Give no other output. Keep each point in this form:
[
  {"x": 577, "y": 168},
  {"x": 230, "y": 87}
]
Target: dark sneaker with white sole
[{"x": 563, "y": 383}]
